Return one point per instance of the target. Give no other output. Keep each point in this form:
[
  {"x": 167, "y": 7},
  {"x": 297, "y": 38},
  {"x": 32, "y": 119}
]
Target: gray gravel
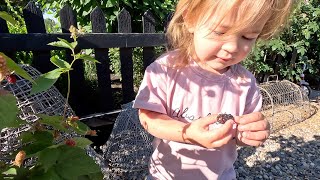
[{"x": 291, "y": 153}]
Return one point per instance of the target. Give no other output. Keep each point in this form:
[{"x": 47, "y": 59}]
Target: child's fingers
[
  {"x": 255, "y": 126},
  {"x": 249, "y": 118},
  {"x": 222, "y": 142},
  {"x": 256, "y": 136},
  {"x": 206, "y": 121},
  {"x": 221, "y": 132},
  {"x": 251, "y": 142}
]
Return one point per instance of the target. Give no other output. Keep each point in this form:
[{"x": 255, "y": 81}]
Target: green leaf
[
  {"x": 63, "y": 43},
  {"x": 40, "y": 141},
  {"x": 82, "y": 142},
  {"x": 26, "y": 137},
  {"x": 8, "y": 111},
  {"x": 72, "y": 45},
  {"x": 86, "y": 57},
  {"x": 48, "y": 175},
  {"x": 92, "y": 176},
  {"x": 48, "y": 157},
  {"x": 11, "y": 171},
  {"x": 7, "y": 17},
  {"x": 81, "y": 128},
  {"x": 47, "y": 80},
  {"x": 59, "y": 62},
  {"x": 54, "y": 121},
  {"x": 16, "y": 68},
  {"x": 74, "y": 162}
]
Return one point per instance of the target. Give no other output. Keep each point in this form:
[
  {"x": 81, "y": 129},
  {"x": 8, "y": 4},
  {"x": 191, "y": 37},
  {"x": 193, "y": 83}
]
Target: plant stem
[{"x": 69, "y": 87}]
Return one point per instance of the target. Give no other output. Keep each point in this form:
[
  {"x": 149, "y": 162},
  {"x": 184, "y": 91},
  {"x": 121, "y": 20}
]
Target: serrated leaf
[
  {"x": 41, "y": 140},
  {"x": 47, "y": 80},
  {"x": 48, "y": 157},
  {"x": 54, "y": 121},
  {"x": 92, "y": 176},
  {"x": 59, "y": 62},
  {"x": 62, "y": 43},
  {"x": 8, "y": 111},
  {"x": 49, "y": 175},
  {"x": 11, "y": 171},
  {"x": 7, "y": 17},
  {"x": 81, "y": 128},
  {"x": 16, "y": 68},
  {"x": 82, "y": 142},
  {"x": 87, "y": 58},
  {"x": 72, "y": 45},
  {"x": 26, "y": 137},
  {"x": 74, "y": 162}
]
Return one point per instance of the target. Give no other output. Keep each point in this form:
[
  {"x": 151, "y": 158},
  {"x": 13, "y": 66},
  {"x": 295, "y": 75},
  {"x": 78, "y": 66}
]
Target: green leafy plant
[
  {"x": 296, "y": 46},
  {"x": 56, "y": 158}
]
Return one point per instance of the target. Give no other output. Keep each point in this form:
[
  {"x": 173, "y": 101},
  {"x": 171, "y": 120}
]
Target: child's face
[{"x": 221, "y": 52}]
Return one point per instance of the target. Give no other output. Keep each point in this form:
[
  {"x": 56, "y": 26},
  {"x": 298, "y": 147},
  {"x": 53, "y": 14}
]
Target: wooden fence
[{"x": 37, "y": 38}]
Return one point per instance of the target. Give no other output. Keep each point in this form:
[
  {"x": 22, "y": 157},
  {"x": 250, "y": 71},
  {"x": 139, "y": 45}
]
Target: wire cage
[
  {"x": 129, "y": 147},
  {"x": 284, "y": 103},
  {"x": 50, "y": 102}
]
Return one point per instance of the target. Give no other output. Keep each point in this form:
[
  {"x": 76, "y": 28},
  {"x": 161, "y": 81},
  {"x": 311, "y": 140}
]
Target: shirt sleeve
[
  {"x": 152, "y": 94},
  {"x": 254, "y": 99}
]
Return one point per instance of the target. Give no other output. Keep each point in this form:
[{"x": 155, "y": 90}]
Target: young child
[{"x": 183, "y": 91}]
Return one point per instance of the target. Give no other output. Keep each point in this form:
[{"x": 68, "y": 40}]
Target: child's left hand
[{"x": 253, "y": 129}]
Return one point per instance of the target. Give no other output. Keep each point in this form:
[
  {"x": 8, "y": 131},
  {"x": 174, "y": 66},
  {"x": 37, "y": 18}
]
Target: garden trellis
[{"x": 50, "y": 102}]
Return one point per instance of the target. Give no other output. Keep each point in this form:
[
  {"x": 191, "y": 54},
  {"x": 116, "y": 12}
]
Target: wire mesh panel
[
  {"x": 50, "y": 102},
  {"x": 284, "y": 103},
  {"x": 129, "y": 147}
]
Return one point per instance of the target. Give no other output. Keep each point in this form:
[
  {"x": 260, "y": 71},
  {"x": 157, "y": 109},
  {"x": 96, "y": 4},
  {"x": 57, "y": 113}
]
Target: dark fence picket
[
  {"x": 148, "y": 22},
  {"x": 124, "y": 26},
  {"x": 35, "y": 24},
  {"x": 4, "y": 29},
  {"x": 98, "y": 22},
  {"x": 3, "y": 26},
  {"x": 78, "y": 88}
]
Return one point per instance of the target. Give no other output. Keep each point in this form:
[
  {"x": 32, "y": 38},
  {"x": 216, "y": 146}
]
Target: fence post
[
  {"x": 124, "y": 26},
  {"x": 35, "y": 24},
  {"x": 98, "y": 22},
  {"x": 4, "y": 29},
  {"x": 148, "y": 23},
  {"x": 78, "y": 87},
  {"x": 3, "y": 25}
]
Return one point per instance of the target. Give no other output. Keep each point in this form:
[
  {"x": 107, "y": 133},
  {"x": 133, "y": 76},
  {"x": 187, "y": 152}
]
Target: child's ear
[{"x": 188, "y": 22}]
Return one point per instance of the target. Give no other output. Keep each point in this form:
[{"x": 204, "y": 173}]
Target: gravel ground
[{"x": 291, "y": 153}]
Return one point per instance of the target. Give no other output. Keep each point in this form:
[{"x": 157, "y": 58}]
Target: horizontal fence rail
[{"x": 39, "y": 41}]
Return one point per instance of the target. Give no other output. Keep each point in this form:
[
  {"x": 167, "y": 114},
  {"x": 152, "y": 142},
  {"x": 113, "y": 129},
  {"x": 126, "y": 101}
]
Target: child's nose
[{"x": 231, "y": 46}]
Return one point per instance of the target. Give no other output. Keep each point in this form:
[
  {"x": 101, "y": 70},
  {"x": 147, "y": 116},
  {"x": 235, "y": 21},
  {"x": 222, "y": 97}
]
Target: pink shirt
[{"x": 187, "y": 94}]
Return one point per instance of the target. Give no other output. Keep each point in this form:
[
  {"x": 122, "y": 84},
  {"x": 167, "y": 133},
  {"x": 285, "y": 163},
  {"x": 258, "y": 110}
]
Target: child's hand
[
  {"x": 3, "y": 68},
  {"x": 253, "y": 129},
  {"x": 197, "y": 132}
]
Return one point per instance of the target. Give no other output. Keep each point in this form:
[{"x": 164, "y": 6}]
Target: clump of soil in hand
[{"x": 223, "y": 118}]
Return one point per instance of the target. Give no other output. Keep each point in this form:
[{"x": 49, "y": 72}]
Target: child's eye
[
  {"x": 218, "y": 33},
  {"x": 248, "y": 38}
]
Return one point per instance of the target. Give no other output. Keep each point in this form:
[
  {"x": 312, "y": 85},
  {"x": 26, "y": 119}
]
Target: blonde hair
[{"x": 197, "y": 12}]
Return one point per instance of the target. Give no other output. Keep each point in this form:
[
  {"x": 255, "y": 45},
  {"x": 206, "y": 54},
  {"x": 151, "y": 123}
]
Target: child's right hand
[{"x": 197, "y": 132}]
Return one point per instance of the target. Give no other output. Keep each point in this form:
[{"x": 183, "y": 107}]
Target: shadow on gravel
[{"x": 288, "y": 158}]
